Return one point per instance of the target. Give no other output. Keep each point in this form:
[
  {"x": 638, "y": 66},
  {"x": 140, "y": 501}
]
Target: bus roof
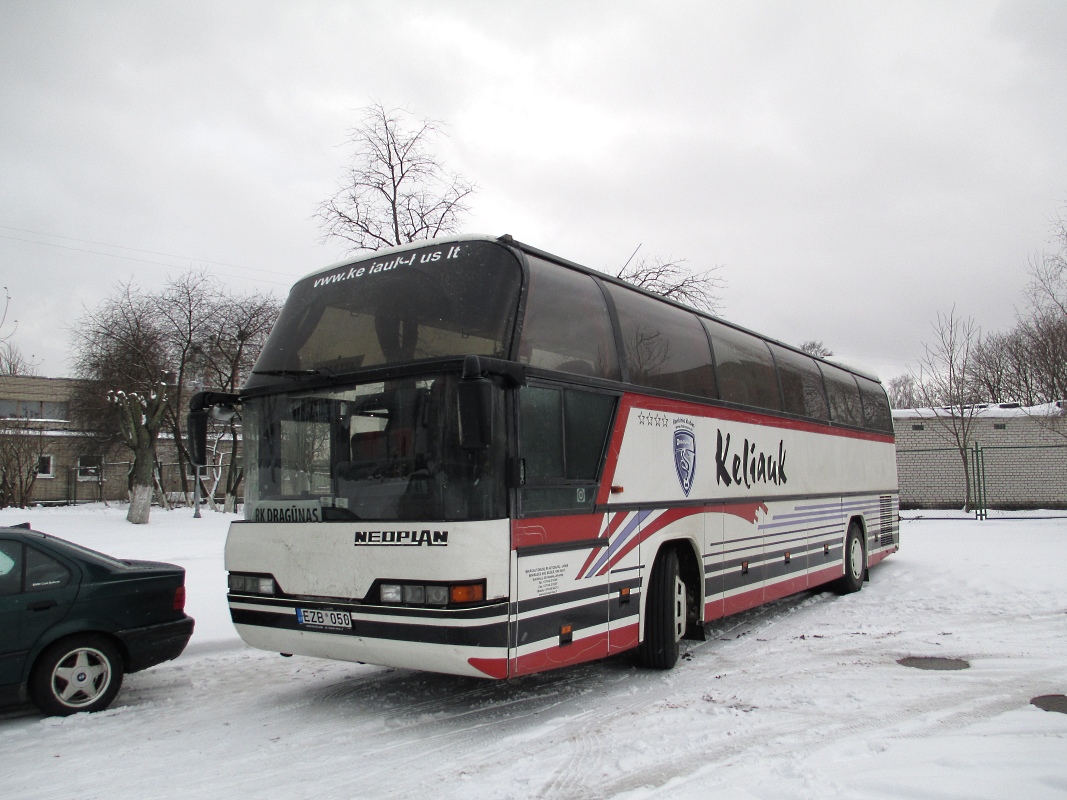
[{"x": 508, "y": 240}]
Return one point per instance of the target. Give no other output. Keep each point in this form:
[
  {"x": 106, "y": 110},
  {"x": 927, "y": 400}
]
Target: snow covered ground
[{"x": 800, "y": 699}]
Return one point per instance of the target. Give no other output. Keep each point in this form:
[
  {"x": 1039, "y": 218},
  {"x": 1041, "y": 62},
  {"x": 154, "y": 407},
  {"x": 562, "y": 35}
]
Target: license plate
[{"x": 318, "y": 618}]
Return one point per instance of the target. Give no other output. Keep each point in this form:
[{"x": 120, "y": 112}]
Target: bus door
[
  {"x": 561, "y": 609},
  {"x": 562, "y": 571}
]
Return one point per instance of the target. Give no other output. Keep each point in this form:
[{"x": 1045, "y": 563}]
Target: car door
[
  {"x": 12, "y": 649},
  {"x": 46, "y": 590}
]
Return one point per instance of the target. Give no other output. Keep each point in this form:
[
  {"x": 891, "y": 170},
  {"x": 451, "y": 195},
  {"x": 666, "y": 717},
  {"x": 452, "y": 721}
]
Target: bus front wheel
[{"x": 665, "y": 613}]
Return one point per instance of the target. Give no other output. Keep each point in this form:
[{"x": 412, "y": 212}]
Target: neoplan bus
[{"x": 469, "y": 456}]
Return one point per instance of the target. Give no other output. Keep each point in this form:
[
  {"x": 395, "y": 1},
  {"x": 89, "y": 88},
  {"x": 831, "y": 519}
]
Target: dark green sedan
[{"x": 74, "y": 621}]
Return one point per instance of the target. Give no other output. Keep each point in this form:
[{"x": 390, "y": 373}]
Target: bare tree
[
  {"x": 12, "y": 359},
  {"x": 141, "y": 419},
  {"x": 226, "y": 358},
  {"x": 121, "y": 353},
  {"x": 672, "y": 280},
  {"x": 21, "y": 448},
  {"x": 903, "y": 392},
  {"x": 1047, "y": 288},
  {"x": 395, "y": 190},
  {"x": 945, "y": 383},
  {"x": 143, "y": 353},
  {"x": 187, "y": 313},
  {"x": 814, "y": 347}
]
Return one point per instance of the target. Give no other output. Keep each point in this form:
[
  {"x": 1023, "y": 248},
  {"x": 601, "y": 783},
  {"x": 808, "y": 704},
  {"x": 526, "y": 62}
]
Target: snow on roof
[{"x": 998, "y": 410}]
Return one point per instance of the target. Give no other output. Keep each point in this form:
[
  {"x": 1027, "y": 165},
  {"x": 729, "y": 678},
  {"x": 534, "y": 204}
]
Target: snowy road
[{"x": 800, "y": 699}]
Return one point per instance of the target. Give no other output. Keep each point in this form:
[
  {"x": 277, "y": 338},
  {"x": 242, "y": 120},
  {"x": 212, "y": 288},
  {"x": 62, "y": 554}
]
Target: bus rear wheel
[
  {"x": 665, "y": 613},
  {"x": 855, "y": 562}
]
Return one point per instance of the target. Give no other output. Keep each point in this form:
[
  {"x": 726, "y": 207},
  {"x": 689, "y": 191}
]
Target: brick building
[
  {"x": 1023, "y": 450},
  {"x": 71, "y": 466}
]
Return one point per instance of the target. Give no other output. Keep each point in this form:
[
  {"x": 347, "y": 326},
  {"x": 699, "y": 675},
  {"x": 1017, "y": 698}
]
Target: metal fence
[
  {"x": 109, "y": 482},
  {"x": 1001, "y": 476}
]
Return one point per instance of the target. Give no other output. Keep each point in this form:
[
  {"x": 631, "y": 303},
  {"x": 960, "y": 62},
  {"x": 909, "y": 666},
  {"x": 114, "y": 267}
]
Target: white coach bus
[{"x": 472, "y": 457}]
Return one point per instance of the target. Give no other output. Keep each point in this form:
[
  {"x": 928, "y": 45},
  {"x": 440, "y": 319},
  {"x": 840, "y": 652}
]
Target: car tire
[
  {"x": 855, "y": 562},
  {"x": 79, "y": 673},
  {"x": 665, "y": 613}
]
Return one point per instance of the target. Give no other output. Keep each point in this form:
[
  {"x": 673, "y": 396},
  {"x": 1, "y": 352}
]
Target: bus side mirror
[
  {"x": 202, "y": 406},
  {"x": 196, "y": 425},
  {"x": 475, "y": 400}
]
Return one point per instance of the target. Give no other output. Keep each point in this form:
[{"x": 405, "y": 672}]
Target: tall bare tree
[
  {"x": 121, "y": 353},
  {"x": 395, "y": 190},
  {"x": 671, "y": 279},
  {"x": 945, "y": 383},
  {"x": 187, "y": 310}
]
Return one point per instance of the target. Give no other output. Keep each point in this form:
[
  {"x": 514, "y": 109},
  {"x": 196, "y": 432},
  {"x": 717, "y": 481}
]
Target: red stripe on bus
[
  {"x": 588, "y": 649},
  {"x": 743, "y": 601},
  {"x": 661, "y": 522},
  {"x": 785, "y": 588},
  {"x": 623, "y": 639},
  {"x": 614, "y": 448},
  {"x": 493, "y": 667},
  {"x": 555, "y": 530},
  {"x": 819, "y": 577},
  {"x": 746, "y": 511}
]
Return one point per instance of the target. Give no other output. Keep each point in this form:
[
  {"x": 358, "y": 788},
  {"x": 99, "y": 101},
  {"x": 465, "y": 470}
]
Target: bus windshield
[
  {"x": 377, "y": 451},
  {"x": 450, "y": 299}
]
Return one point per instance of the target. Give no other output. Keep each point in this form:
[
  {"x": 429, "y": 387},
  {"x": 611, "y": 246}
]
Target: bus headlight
[
  {"x": 251, "y": 584},
  {"x": 437, "y": 595}
]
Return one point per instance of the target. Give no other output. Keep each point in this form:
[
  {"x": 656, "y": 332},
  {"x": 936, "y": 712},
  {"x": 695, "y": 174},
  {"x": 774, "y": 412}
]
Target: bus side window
[
  {"x": 876, "y": 413},
  {"x": 665, "y": 347},
  {"x": 563, "y": 438},
  {"x": 566, "y": 326},
  {"x": 803, "y": 392},
  {"x": 745, "y": 367},
  {"x": 844, "y": 395}
]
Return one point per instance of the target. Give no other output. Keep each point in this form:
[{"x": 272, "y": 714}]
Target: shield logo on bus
[{"x": 685, "y": 457}]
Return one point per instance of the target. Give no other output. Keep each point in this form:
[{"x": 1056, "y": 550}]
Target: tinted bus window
[
  {"x": 744, "y": 366},
  {"x": 567, "y": 327},
  {"x": 665, "y": 347},
  {"x": 441, "y": 300},
  {"x": 844, "y": 396},
  {"x": 802, "y": 387},
  {"x": 876, "y": 412},
  {"x": 563, "y": 437}
]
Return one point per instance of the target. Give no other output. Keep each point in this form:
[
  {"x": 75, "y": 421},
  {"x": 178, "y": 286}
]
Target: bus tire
[
  {"x": 855, "y": 562},
  {"x": 665, "y": 613}
]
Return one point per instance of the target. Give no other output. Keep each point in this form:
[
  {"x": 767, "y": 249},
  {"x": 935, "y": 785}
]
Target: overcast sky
[{"x": 854, "y": 167}]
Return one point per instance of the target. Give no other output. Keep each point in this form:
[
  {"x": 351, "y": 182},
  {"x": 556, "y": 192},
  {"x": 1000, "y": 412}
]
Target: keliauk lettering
[
  {"x": 422, "y": 538},
  {"x": 292, "y": 514},
  {"x": 750, "y": 466}
]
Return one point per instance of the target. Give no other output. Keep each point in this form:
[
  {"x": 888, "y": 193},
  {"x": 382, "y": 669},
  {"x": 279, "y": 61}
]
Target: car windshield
[
  {"x": 375, "y": 451},
  {"x": 437, "y": 301}
]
